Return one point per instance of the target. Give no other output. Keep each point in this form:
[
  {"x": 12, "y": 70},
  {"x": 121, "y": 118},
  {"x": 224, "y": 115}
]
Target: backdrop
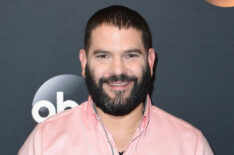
[{"x": 40, "y": 39}]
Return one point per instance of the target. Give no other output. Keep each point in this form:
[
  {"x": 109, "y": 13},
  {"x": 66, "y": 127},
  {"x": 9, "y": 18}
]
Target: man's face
[{"x": 114, "y": 68}]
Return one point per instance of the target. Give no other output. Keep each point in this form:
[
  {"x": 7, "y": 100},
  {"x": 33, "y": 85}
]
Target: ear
[
  {"x": 83, "y": 61},
  {"x": 151, "y": 60}
]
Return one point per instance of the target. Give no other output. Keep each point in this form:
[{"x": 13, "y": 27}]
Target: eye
[
  {"x": 102, "y": 56},
  {"x": 131, "y": 55}
]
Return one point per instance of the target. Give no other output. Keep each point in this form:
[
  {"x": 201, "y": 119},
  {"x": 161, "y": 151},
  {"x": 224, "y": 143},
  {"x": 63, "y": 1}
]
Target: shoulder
[
  {"x": 172, "y": 125},
  {"x": 57, "y": 129},
  {"x": 173, "y": 132},
  {"x": 63, "y": 119}
]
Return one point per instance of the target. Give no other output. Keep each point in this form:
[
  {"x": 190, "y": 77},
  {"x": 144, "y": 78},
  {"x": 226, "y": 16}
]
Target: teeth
[{"x": 118, "y": 84}]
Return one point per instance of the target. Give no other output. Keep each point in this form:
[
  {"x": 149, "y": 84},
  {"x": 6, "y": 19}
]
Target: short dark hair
[{"x": 121, "y": 17}]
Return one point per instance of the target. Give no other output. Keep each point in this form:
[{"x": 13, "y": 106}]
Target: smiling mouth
[{"x": 119, "y": 85}]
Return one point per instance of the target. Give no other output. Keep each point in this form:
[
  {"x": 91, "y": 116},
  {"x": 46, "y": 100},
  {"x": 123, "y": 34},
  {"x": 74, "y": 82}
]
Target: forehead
[{"x": 110, "y": 38}]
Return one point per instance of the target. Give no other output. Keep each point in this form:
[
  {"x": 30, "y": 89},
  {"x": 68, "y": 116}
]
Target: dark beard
[{"x": 119, "y": 105}]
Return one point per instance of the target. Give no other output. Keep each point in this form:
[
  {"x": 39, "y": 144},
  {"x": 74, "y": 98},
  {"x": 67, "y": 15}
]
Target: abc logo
[{"x": 58, "y": 94}]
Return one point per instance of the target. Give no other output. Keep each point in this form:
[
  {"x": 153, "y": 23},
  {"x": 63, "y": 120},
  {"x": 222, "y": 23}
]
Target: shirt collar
[{"x": 147, "y": 113}]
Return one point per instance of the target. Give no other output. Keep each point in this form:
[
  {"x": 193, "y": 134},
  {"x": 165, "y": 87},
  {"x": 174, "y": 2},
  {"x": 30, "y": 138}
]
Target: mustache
[{"x": 116, "y": 78}]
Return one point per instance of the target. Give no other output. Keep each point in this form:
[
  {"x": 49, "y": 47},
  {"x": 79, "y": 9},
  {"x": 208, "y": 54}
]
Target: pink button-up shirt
[{"x": 79, "y": 131}]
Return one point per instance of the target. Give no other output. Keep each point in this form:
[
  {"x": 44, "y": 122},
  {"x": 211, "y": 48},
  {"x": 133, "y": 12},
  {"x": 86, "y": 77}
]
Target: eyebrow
[
  {"x": 100, "y": 52},
  {"x": 134, "y": 51},
  {"x": 126, "y": 51}
]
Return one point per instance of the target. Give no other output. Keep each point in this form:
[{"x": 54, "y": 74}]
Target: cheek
[
  {"x": 138, "y": 70},
  {"x": 135, "y": 68},
  {"x": 97, "y": 73},
  {"x": 97, "y": 68}
]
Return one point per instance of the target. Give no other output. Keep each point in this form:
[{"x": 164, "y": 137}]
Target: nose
[{"x": 117, "y": 66}]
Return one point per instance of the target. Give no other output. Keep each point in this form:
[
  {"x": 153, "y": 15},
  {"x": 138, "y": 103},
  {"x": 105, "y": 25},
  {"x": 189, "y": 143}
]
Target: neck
[{"x": 122, "y": 128}]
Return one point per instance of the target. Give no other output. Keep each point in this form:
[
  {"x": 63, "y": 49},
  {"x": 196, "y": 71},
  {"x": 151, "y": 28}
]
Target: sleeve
[
  {"x": 32, "y": 146},
  {"x": 203, "y": 147}
]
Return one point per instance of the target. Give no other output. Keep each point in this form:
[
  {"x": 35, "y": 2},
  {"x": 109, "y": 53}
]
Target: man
[{"x": 118, "y": 118}]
